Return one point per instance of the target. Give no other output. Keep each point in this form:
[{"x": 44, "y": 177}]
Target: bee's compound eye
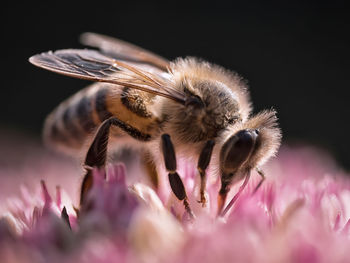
[{"x": 237, "y": 149}]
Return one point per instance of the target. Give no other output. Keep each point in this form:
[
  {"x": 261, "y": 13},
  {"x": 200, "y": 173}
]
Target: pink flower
[
  {"x": 294, "y": 217},
  {"x": 301, "y": 213}
]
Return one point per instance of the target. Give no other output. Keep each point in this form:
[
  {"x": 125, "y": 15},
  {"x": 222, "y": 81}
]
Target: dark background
[{"x": 295, "y": 57}]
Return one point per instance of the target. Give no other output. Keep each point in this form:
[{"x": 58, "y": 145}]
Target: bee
[{"x": 189, "y": 105}]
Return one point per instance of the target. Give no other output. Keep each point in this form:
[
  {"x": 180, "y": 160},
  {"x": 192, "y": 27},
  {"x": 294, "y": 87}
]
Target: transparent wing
[
  {"x": 123, "y": 50},
  {"x": 92, "y": 65}
]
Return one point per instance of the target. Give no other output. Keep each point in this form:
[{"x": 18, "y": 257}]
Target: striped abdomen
[{"x": 75, "y": 119}]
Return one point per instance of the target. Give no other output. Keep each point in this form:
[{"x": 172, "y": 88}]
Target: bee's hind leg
[
  {"x": 97, "y": 153},
  {"x": 175, "y": 181},
  {"x": 203, "y": 162}
]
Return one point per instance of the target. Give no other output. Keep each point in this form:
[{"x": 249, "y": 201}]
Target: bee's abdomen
[{"x": 75, "y": 119}]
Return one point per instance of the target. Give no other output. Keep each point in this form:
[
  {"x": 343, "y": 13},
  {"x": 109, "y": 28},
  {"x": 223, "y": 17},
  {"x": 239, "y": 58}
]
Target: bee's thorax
[{"x": 210, "y": 107}]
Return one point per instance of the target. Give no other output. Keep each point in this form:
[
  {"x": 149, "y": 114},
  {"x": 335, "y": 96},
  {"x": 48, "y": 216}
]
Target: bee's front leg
[
  {"x": 203, "y": 162},
  {"x": 97, "y": 153},
  {"x": 175, "y": 181}
]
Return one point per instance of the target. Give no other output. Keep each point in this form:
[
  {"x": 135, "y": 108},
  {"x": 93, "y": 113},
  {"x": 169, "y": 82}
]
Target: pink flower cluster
[{"x": 301, "y": 213}]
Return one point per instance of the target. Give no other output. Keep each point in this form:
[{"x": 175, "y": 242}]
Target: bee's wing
[
  {"x": 123, "y": 50},
  {"x": 92, "y": 65}
]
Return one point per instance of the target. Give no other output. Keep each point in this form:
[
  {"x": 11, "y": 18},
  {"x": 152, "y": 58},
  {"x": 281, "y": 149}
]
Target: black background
[{"x": 295, "y": 57}]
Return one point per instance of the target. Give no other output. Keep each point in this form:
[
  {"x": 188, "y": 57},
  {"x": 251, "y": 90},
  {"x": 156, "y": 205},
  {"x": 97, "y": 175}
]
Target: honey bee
[{"x": 189, "y": 105}]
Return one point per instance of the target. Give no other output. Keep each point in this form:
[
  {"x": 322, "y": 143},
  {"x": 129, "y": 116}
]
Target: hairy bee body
[
  {"x": 195, "y": 107},
  {"x": 223, "y": 93}
]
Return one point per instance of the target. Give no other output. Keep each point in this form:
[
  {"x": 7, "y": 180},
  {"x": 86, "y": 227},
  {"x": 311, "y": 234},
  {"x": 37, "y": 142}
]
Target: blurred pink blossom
[{"x": 301, "y": 213}]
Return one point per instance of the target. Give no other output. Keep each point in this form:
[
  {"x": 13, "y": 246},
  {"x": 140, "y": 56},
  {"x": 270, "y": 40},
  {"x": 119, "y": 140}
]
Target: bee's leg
[
  {"x": 225, "y": 188},
  {"x": 261, "y": 173},
  {"x": 86, "y": 185},
  {"x": 203, "y": 162},
  {"x": 97, "y": 153},
  {"x": 175, "y": 181}
]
